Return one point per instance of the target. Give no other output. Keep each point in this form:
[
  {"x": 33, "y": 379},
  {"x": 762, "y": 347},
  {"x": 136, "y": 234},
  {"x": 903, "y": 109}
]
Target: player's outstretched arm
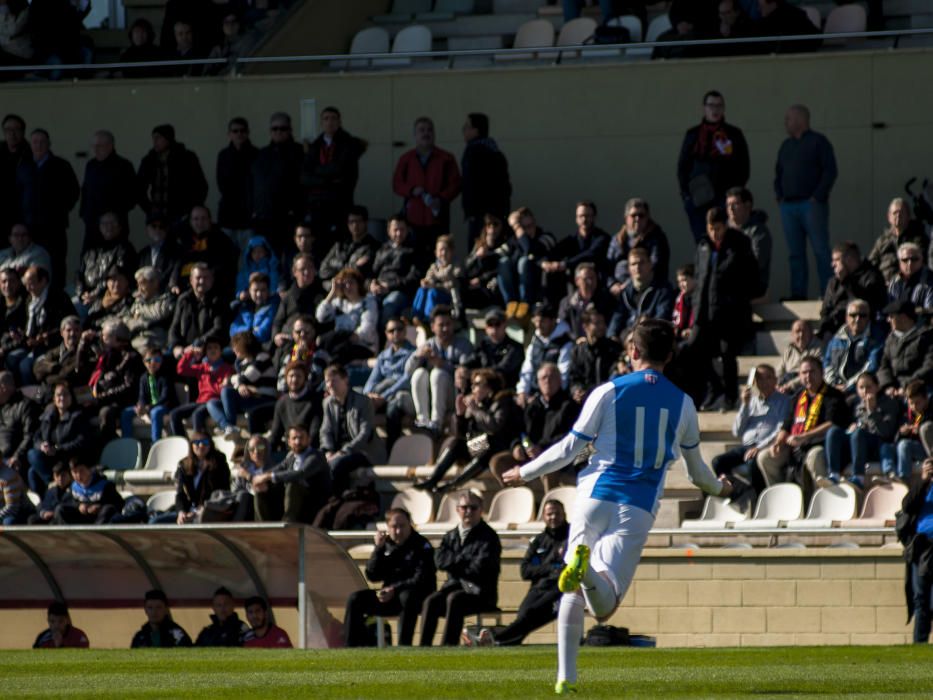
[
  {"x": 556, "y": 457},
  {"x": 702, "y": 476}
]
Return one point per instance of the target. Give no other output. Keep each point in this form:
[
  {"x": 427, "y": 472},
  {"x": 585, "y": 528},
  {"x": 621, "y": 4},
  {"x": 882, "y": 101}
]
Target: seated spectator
[
  {"x": 60, "y": 633},
  {"x": 202, "y": 241},
  {"x": 58, "y": 492},
  {"x": 639, "y": 231},
  {"x": 305, "y": 294},
  {"x": 94, "y": 498},
  {"x": 519, "y": 277},
  {"x": 542, "y": 565},
  {"x": 61, "y": 362},
  {"x": 15, "y": 506},
  {"x": 96, "y": 263},
  {"x": 298, "y": 486},
  {"x": 798, "y": 452},
  {"x": 734, "y": 23},
  {"x": 355, "y": 317},
  {"x": 142, "y": 49},
  {"x": 150, "y": 314},
  {"x": 908, "y": 351},
  {"x": 431, "y": 369},
  {"x": 915, "y": 434},
  {"x": 683, "y": 316},
  {"x": 200, "y": 312},
  {"x": 781, "y": 19},
  {"x": 359, "y": 252},
  {"x": 63, "y": 432},
  {"x": 588, "y": 243},
  {"x": 551, "y": 342},
  {"x": 496, "y": 350},
  {"x": 438, "y": 286},
  {"x": 232, "y": 45},
  {"x": 802, "y": 344},
  {"x": 388, "y": 384},
  {"x": 250, "y": 390},
  {"x": 395, "y": 271},
  {"x": 914, "y": 280},
  {"x": 645, "y": 296},
  {"x": 15, "y": 43},
  {"x": 486, "y": 419},
  {"x": 257, "y": 257},
  {"x": 479, "y": 286},
  {"x": 18, "y": 423},
  {"x": 257, "y": 312},
  {"x": 753, "y": 223},
  {"x": 403, "y": 562},
  {"x": 264, "y": 633},
  {"x": 185, "y": 49},
  {"x": 690, "y": 19},
  {"x": 854, "y": 350},
  {"x": 547, "y": 417},
  {"x": 306, "y": 243},
  {"x": 348, "y": 436},
  {"x": 163, "y": 254},
  {"x": 115, "y": 303},
  {"x": 212, "y": 372},
  {"x": 23, "y": 252},
  {"x": 114, "y": 381},
  {"x": 256, "y": 459},
  {"x": 55, "y": 27},
  {"x": 470, "y": 555},
  {"x": 300, "y": 404},
  {"x": 226, "y": 628},
  {"x": 871, "y": 435},
  {"x": 197, "y": 476},
  {"x": 593, "y": 358},
  {"x": 901, "y": 229},
  {"x": 853, "y": 278},
  {"x": 12, "y": 308},
  {"x": 45, "y": 310},
  {"x": 762, "y": 411},
  {"x": 159, "y": 630},
  {"x": 587, "y": 294},
  {"x": 155, "y": 395}
]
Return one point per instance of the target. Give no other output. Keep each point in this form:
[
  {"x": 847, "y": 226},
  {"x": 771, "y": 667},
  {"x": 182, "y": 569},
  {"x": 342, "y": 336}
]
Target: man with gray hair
[
  {"x": 109, "y": 185},
  {"x": 61, "y": 362},
  {"x": 638, "y": 231},
  {"x": 277, "y": 202},
  {"x": 914, "y": 280},
  {"x": 853, "y": 350}
]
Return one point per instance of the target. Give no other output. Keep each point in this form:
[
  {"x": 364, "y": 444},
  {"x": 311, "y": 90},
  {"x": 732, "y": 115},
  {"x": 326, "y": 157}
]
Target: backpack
[{"x": 607, "y": 636}]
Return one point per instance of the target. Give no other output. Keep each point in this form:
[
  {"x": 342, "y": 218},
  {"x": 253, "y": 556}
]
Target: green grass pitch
[{"x": 522, "y": 672}]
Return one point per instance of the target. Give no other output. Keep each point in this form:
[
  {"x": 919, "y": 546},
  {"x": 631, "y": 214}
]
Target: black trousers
[
  {"x": 362, "y": 604},
  {"x": 537, "y": 609},
  {"x": 453, "y": 603}
]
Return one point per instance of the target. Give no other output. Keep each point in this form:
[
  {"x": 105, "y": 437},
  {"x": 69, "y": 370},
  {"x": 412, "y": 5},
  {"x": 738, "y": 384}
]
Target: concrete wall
[{"x": 605, "y": 132}]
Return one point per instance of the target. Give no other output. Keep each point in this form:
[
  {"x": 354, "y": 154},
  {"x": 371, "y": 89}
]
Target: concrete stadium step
[
  {"x": 748, "y": 362},
  {"x": 783, "y": 314},
  {"x": 771, "y": 342},
  {"x": 716, "y": 426}
]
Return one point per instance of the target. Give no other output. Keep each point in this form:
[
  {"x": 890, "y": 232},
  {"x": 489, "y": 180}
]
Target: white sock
[
  {"x": 599, "y": 593},
  {"x": 569, "y": 632}
]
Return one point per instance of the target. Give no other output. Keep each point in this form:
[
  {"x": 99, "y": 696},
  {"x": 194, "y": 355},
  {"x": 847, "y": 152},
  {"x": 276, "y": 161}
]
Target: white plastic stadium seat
[
  {"x": 446, "y": 517},
  {"x": 511, "y": 507},
  {"x": 565, "y": 494},
  {"x": 575, "y": 33},
  {"x": 776, "y": 505},
  {"x": 532, "y": 34},
  {"x": 411, "y": 39},
  {"x": 656, "y": 28},
  {"x": 161, "y": 502},
  {"x": 369, "y": 40},
  {"x": 166, "y": 453},
  {"x": 717, "y": 513},
  {"x": 881, "y": 503},
  {"x": 418, "y": 503},
  {"x": 226, "y": 447},
  {"x": 412, "y": 450},
  {"x": 830, "y": 504},
  {"x": 846, "y": 18}
]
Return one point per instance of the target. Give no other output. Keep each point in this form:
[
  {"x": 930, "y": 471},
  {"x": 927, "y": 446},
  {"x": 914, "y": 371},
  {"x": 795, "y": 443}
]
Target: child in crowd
[
  {"x": 439, "y": 282},
  {"x": 55, "y": 495},
  {"x": 251, "y": 387},
  {"x": 156, "y": 395},
  {"x": 911, "y": 434},
  {"x": 207, "y": 365},
  {"x": 257, "y": 312},
  {"x": 871, "y": 435},
  {"x": 258, "y": 257},
  {"x": 683, "y": 306}
]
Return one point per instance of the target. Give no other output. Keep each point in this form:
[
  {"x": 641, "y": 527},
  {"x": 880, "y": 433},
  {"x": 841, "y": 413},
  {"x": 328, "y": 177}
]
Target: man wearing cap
[
  {"x": 159, "y": 630},
  {"x": 170, "y": 179},
  {"x": 551, "y": 343},
  {"x": 496, "y": 350},
  {"x": 908, "y": 355}
]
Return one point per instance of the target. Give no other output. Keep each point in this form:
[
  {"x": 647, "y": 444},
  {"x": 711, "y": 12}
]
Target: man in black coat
[
  {"x": 48, "y": 190},
  {"x": 226, "y": 628},
  {"x": 470, "y": 554},
  {"x": 403, "y": 561},
  {"x": 109, "y": 186},
  {"x": 199, "y": 313},
  {"x": 587, "y": 293},
  {"x": 235, "y": 182},
  {"x": 713, "y": 158},
  {"x": 592, "y": 362},
  {"x": 276, "y": 197},
  {"x": 13, "y": 150},
  {"x": 200, "y": 241},
  {"x": 780, "y": 18},
  {"x": 163, "y": 253},
  {"x": 908, "y": 351},
  {"x": 329, "y": 175},
  {"x": 170, "y": 179},
  {"x": 160, "y": 630},
  {"x": 853, "y": 278},
  {"x": 19, "y": 420},
  {"x": 485, "y": 184},
  {"x": 588, "y": 243},
  {"x": 358, "y": 252},
  {"x": 299, "y": 486},
  {"x": 496, "y": 350},
  {"x": 644, "y": 295}
]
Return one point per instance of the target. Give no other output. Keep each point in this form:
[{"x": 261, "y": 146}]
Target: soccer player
[{"x": 638, "y": 424}]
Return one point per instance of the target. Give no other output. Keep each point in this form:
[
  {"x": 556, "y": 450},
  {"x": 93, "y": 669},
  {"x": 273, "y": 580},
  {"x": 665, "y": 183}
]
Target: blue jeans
[
  {"x": 425, "y": 301},
  {"x": 520, "y": 281},
  {"x": 225, "y": 410},
  {"x": 908, "y": 452},
  {"x": 393, "y": 306},
  {"x": 198, "y": 413},
  {"x": 156, "y": 414},
  {"x": 865, "y": 446},
  {"x": 802, "y": 221},
  {"x": 921, "y": 590},
  {"x": 20, "y": 362},
  {"x": 572, "y": 9},
  {"x": 40, "y": 471}
]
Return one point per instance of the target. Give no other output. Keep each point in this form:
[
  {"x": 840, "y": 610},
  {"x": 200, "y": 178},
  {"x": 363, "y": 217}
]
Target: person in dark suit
[{"x": 296, "y": 488}]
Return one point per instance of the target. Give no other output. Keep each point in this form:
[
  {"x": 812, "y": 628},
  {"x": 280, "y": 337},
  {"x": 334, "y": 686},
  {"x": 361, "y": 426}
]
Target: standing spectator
[
  {"x": 802, "y": 344},
  {"x": 348, "y": 436},
  {"x": 586, "y": 294},
  {"x": 853, "y": 278},
  {"x": 908, "y": 350},
  {"x": 519, "y": 276},
  {"x": 329, "y": 175},
  {"x": 726, "y": 276},
  {"x": 276, "y": 196},
  {"x": 915, "y": 434},
  {"x": 588, "y": 243},
  {"x": 23, "y": 252},
  {"x": 263, "y": 633},
  {"x": 199, "y": 313},
  {"x": 916, "y": 504},
  {"x": 403, "y": 562},
  {"x": 48, "y": 190},
  {"x": 551, "y": 342},
  {"x": 646, "y": 295},
  {"x": 713, "y": 159},
  {"x": 478, "y": 285},
  {"x": 60, "y": 633},
  {"x": 639, "y": 231},
  {"x": 235, "y": 182},
  {"x": 162, "y": 254},
  {"x": 901, "y": 229},
  {"x": 94, "y": 498},
  {"x": 13, "y": 151},
  {"x": 226, "y": 628},
  {"x": 15, "y": 506},
  {"x": 496, "y": 350},
  {"x": 208, "y": 367},
  {"x": 159, "y": 630},
  {"x": 358, "y": 252},
  {"x": 114, "y": 382},
  {"x": 63, "y": 431},
  {"x": 388, "y": 383},
  {"x": 170, "y": 180},
  {"x": 396, "y": 272},
  {"x": 854, "y": 350},
  {"x": 200, "y": 241},
  {"x": 355, "y": 318},
  {"x": 151, "y": 312},
  {"x": 428, "y": 180},
  {"x": 914, "y": 280},
  {"x": 804, "y": 175},
  {"x": 109, "y": 186},
  {"x": 258, "y": 311},
  {"x": 305, "y": 294},
  {"x": 250, "y": 390},
  {"x": 753, "y": 223},
  {"x": 486, "y": 185},
  {"x": 111, "y": 249},
  {"x": 55, "y": 27},
  {"x": 296, "y": 488},
  {"x": 156, "y": 395},
  {"x": 202, "y": 472},
  {"x": 470, "y": 554},
  {"x": 593, "y": 361}
]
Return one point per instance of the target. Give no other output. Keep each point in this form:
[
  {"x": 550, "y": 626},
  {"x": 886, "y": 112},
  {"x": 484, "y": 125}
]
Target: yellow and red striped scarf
[{"x": 807, "y": 412}]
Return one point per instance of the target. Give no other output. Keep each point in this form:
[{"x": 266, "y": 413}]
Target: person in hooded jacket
[{"x": 258, "y": 256}]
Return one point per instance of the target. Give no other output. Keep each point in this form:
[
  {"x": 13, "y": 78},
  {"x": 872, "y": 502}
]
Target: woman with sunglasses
[
  {"x": 199, "y": 474},
  {"x": 255, "y": 459}
]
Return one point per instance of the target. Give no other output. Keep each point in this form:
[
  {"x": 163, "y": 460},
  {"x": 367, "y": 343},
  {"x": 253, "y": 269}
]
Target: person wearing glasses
[
  {"x": 914, "y": 280},
  {"x": 296, "y": 488},
  {"x": 856, "y": 348},
  {"x": 901, "y": 228},
  {"x": 198, "y": 475},
  {"x": 638, "y": 231},
  {"x": 276, "y": 190},
  {"x": 470, "y": 553},
  {"x": 853, "y": 278},
  {"x": 388, "y": 383},
  {"x": 256, "y": 459}
]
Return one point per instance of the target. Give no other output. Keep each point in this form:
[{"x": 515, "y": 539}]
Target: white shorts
[{"x": 615, "y": 533}]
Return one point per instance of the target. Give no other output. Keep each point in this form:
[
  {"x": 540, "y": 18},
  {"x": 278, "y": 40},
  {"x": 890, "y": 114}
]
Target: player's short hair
[
  {"x": 654, "y": 339},
  {"x": 556, "y": 503}
]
